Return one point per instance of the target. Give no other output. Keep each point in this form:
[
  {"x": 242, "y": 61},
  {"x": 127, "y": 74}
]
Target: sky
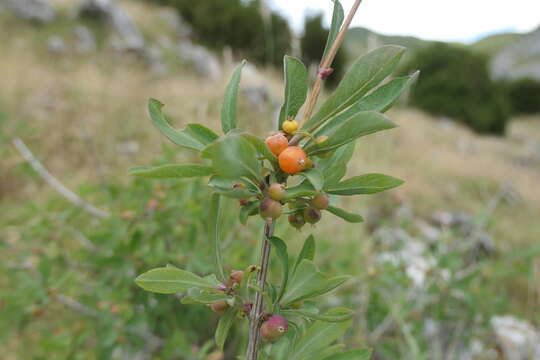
[{"x": 447, "y": 20}]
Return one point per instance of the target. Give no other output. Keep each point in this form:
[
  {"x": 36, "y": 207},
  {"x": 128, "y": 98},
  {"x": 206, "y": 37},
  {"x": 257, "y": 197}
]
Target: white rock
[
  {"x": 518, "y": 339},
  {"x": 34, "y": 10},
  {"x": 204, "y": 62}
]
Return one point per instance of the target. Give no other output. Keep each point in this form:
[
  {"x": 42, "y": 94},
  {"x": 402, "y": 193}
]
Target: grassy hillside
[
  {"x": 490, "y": 45},
  {"x": 84, "y": 117}
]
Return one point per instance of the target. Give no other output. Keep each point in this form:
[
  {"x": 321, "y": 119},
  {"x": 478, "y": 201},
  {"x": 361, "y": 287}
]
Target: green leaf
[
  {"x": 379, "y": 100},
  {"x": 281, "y": 249},
  {"x": 361, "y": 124},
  {"x": 307, "y": 252},
  {"x": 315, "y": 177},
  {"x": 337, "y": 19},
  {"x": 333, "y": 316},
  {"x": 343, "y": 154},
  {"x": 261, "y": 147},
  {"x": 171, "y": 171},
  {"x": 319, "y": 336},
  {"x": 296, "y": 86},
  {"x": 330, "y": 285},
  {"x": 304, "y": 189},
  {"x": 306, "y": 282},
  {"x": 364, "y": 354},
  {"x": 214, "y": 232},
  {"x": 347, "y": 216},
  {"x": 182, "y": 138},
  {"x": 171, "y": 280},
  {"x": 203, "y": 296},
  {"x": 386, "y": 95},
  {"x": 227, "y": 187},
  {"x": 201, "y": 133},
  {"x": 331, "y": 350},
  {"x": 364, "y": 184},
  {"x": 365, "y": 74},
  {"x": 225, "y": 323},
  {"x": 228, "y": 109},
  {"x": 248, "y": 210},
  {"x": 334, "y": 174},
  {"x": 233, "y": 156}
]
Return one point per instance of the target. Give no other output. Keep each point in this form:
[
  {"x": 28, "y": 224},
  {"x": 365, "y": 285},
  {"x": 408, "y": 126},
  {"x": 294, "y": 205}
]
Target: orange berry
[
  {"x": 277, "y": 143},
  {"x": 292, "y": 160}
]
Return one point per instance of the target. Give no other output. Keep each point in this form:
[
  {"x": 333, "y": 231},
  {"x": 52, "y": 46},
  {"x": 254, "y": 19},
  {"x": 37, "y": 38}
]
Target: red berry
[
  {"x": 219, "y": 306},
  {"x": 312, "y": 215},
  {"x": 235, "y": 278},
  {"x": 277, "y": 143},
  {"x": 276, "y": 191},
  {"x": 297, "y": 220},
  {"x": 270, "y": 209},
  {"x": 320, "y": 201},
  {"x": 274, "y": 328}
]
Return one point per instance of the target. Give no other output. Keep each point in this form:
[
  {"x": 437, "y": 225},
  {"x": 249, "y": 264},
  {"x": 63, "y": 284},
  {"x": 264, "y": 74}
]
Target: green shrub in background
[
  {"x": 524, "y": 96},
  {"x": 312, "y": 47},
  {"x": 456, "y": 83},
  {"x": 238, "y": 24}
]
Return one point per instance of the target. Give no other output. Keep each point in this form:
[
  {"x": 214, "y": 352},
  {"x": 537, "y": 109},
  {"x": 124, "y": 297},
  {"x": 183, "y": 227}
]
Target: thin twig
[
  {"x": 52, "y": 181},
  {"x": 326, "y": 63},
  {"x": 257, "y": 310}
]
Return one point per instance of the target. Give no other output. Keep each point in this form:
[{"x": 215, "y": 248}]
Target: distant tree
[
  {"x": 456, "y": 83},
  {"x": 312, "y": 47},
  {"x": 238, "y": 24},
  {"x": 524, "y": 96}
]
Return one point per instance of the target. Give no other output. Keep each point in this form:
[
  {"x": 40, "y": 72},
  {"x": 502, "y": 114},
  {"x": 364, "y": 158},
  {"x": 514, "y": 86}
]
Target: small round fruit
[
  {"x": 276, "y": 191},
  {"x": 297, "y": 220},
  {"x": 219, "y": 306},
  {"x": 320, "y": 201},
  {"x": 270, "y": 209},
  {"x": 277, "y": 143},
  {"x": 290, "y": 126},
  {"x": 312, "y": 215},
  {"x": 292, "y": 160},
  {"x": 274, "y": 328},
  {"x": 235, "y": 278}
]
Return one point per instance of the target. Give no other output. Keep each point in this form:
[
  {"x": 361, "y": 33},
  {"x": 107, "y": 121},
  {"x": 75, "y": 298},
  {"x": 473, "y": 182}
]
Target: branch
[
  {"x": 52, "y": 181},
  {"x": 256, "y": 311},
  {"x": 326, "y": 63}
]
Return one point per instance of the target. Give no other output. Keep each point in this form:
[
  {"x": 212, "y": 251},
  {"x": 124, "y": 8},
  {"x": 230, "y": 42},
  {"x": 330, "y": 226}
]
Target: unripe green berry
[
  {"x": 312, "y": 215},
  {"x": 270, "y": 209},
  {"x": 320, "y": 201},
  {"x": 297, "y": 220},
  {"x": 276, "y": 191},
  {"x": 219, "y": 306},
  {"x": 274, "y": 328}
]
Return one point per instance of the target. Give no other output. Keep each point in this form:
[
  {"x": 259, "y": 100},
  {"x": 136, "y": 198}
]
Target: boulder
[
  {"x": 517, "y": 339},
  {"x": 520, "y": 60},
  {"x": 201, "y": 59},
  {"x": 85, "y": 41},
  {"x": 56, "y": 45},
  {"x": 33, "y": 10},
  {"x": 132, "y": 39}
]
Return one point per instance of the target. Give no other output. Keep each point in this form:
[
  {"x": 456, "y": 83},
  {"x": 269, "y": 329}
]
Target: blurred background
[{"x": 446, "y": 266}]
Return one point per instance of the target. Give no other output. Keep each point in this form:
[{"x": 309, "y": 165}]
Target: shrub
[
  {"x": 312, "y": 47},
  {"x": 456, "y": 83},
  {"x": 524, "y": 96}
]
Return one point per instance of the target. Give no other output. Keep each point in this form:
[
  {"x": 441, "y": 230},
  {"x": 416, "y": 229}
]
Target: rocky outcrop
[
  {"x": 130, "y": 36},
  {"x": 201, "y": 59},
  {"x": 519, "y": 60},
  {"x": 34, "y": 10},
  {"x": 517, "y": 339}
]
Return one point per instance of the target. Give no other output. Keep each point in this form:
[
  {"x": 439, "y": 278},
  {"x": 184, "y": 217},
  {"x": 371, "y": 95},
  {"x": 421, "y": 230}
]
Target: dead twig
[{"x": 53, "y": 182}]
